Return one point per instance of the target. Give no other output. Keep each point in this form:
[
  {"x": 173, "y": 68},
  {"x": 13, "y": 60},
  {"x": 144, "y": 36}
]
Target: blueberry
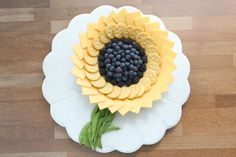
[
  {"x": 115, "y": 40},
  {"x": 135, "y": 80},
  {"x": 117, "y": 48},
  {"x": 130, "y": 46},
  {"x": 122, "y": 65},
  {"x": 115, "y": 53},
  {"x": 109, "y": 73},
  {"x": 137, "y": 52},
  {"x": 140, "y": 61},
  {"x": 125, "y": 47},
  {"x": 111, "y": 56},
  {"x": 118, "y": 70},
  {"x": 119, "y": 76},
  {"x": 127, "y": 64},
  {"x": 135, "y": 69},
  {"x": 117, "y": 63},
  {"x": 113, "y": 45},
  {"x": 136, "y": 62},
  {"x": 107, "y": 60},
  {"x": 132, "y": 54},
  {"x": 126, "y": 73},
  {"x": 113, "y": 60},
  {"x": 109, "y": 50},
  {"x": 133, "y": 50},
  {"x": 130, "y": 73},
  {"x": 124, "y": 78},
  {"x": 108, "y": 66},
  {"x": 106, "y": 56},
  {"x": 122, "y": 54},
  {"x": 112, "y": 68},
  {"x": 123, "y": 60},
  {"x": 131, "y": 61},
  {"x": 128, "y": 57},
  {"x": 118, "y": 57},
  {"x": 119, "y": 43},
  {"x": 127, "y": 52}
]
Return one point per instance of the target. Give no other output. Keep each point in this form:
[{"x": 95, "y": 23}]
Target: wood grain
[{"x": 207, "y": 29}]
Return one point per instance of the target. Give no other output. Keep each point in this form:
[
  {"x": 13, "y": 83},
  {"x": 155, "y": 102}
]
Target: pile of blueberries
[{"x": 122, "y": 62}]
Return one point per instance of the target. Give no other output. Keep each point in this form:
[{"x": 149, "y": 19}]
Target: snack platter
[{"x": 127, "y": 65}]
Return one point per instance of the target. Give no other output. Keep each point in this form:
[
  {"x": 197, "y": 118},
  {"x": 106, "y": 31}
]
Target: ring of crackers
[{"x": 151, "y": 38}]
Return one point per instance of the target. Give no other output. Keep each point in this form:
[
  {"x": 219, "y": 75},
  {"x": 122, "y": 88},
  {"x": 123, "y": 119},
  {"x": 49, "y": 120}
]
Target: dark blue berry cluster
[{"x": 122, "y": 62}]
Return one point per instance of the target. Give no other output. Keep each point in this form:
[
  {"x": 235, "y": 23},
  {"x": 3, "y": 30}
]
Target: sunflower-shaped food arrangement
[{"x": 123, "y": 62}]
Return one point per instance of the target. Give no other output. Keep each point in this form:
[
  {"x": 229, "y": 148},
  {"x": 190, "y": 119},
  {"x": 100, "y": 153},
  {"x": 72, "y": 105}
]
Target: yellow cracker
[
  {"x": 153, "y": 66},
  {"x": 103, "y": 38},
  {"x": 119, "y": 28},
  {"x": 125, "y": 32},
  {"x": 90, "y": 60},
  {"x": 125, "y": 92},
  {"x": 99, "y": 83},
  {"x": 151, "y": 49},
  {"x": 140, "y": 36},
  {"x": 97, "y": 44},
  {"x": 151, "y": 74},
  {"x": 107, "y": 89},
  {"x": 92, "y": 76},
  {"x": 91, "y": 68},
  {"x": 147, "y": 41},
  {"x": 154, "y": 57},
  {"x": 141, "y": 89},
  {"x": 146, "y": 83},
  {"x": 133, "y": 91},
  {"x": 134, "y": 31},
  {"x": 115, "y": 92},
  {"x": 109, "y": 30},
  {"x": 91, "y": 51}
]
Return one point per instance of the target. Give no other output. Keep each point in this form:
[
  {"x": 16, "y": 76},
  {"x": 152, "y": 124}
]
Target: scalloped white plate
[{"x": 72, "y": 110}]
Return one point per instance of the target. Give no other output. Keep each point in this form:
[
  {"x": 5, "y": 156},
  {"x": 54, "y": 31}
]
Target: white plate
[{"x": 72, "y": 110}]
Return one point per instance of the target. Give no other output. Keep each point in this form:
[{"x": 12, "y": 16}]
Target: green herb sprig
[{"x": 100, "y": 123}]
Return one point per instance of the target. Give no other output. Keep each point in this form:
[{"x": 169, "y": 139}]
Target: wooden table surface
[{"x": 208, "y": 32}]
